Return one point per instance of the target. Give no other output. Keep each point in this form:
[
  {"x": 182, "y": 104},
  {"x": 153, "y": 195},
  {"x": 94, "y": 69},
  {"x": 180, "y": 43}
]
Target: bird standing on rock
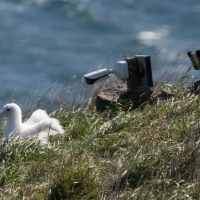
[{"x": 39, "y": 124}]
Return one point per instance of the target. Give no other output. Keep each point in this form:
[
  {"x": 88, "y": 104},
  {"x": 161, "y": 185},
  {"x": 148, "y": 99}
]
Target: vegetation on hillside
[{"x": 152, "y": 152}]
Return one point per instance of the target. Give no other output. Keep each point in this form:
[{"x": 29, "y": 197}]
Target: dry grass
[{"x": 152, "y": 152}]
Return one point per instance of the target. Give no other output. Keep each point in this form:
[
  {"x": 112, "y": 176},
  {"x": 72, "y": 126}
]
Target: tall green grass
[{"x": 152, "y": 152}]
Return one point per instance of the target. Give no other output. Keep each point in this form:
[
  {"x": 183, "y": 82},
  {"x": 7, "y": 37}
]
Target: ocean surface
[{"x": 48, "y": 45}]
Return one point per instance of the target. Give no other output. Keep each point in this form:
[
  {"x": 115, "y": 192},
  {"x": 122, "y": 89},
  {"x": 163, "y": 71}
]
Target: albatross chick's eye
[{"x": 8, "y": 109}]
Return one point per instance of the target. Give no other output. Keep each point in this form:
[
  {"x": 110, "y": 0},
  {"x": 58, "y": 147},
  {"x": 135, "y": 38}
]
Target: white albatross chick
[{"x": 39, "y": 124}]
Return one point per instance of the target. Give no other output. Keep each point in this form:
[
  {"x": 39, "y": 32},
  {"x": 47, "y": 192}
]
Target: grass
[
  {"x": 152, "y": 152},
  {"x": 149, "y": 153}
]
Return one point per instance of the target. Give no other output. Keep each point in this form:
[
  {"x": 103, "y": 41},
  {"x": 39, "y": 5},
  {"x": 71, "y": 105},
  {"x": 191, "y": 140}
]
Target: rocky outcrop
[
  {"x": 117, "y": 92},
  {"x": 109, "y": 96},
  {"x": 194, "y": 88}
]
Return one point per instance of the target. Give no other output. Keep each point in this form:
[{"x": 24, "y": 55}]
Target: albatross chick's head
[{"x": 10, "y": 110}]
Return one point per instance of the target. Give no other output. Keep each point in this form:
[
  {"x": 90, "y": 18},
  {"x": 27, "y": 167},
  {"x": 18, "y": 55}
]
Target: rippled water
[{"x": 43, "y": 39}]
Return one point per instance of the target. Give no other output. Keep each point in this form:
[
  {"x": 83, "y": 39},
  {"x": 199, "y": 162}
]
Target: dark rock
[
  {"x": 107, "y": 96},
  {"x": 117, "y": 92},
  {"x": 194, "y": 88},
  {"x": 137, "y": 96},
  {"x": 163, "y": 95}
]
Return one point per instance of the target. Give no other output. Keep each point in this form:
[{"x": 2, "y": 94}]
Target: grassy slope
[{"x": 150, "y": 153}]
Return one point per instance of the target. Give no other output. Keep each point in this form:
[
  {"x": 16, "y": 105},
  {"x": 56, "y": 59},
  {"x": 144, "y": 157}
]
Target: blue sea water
[{"x": 46, "y": 42}]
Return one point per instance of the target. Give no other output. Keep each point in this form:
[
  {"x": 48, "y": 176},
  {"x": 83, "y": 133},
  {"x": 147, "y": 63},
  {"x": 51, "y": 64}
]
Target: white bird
[{"x": 39, "y": 124}]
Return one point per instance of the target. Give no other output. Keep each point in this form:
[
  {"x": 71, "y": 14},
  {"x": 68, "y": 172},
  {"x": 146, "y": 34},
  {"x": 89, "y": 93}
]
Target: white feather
[{"x": 39, "y": 124}]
